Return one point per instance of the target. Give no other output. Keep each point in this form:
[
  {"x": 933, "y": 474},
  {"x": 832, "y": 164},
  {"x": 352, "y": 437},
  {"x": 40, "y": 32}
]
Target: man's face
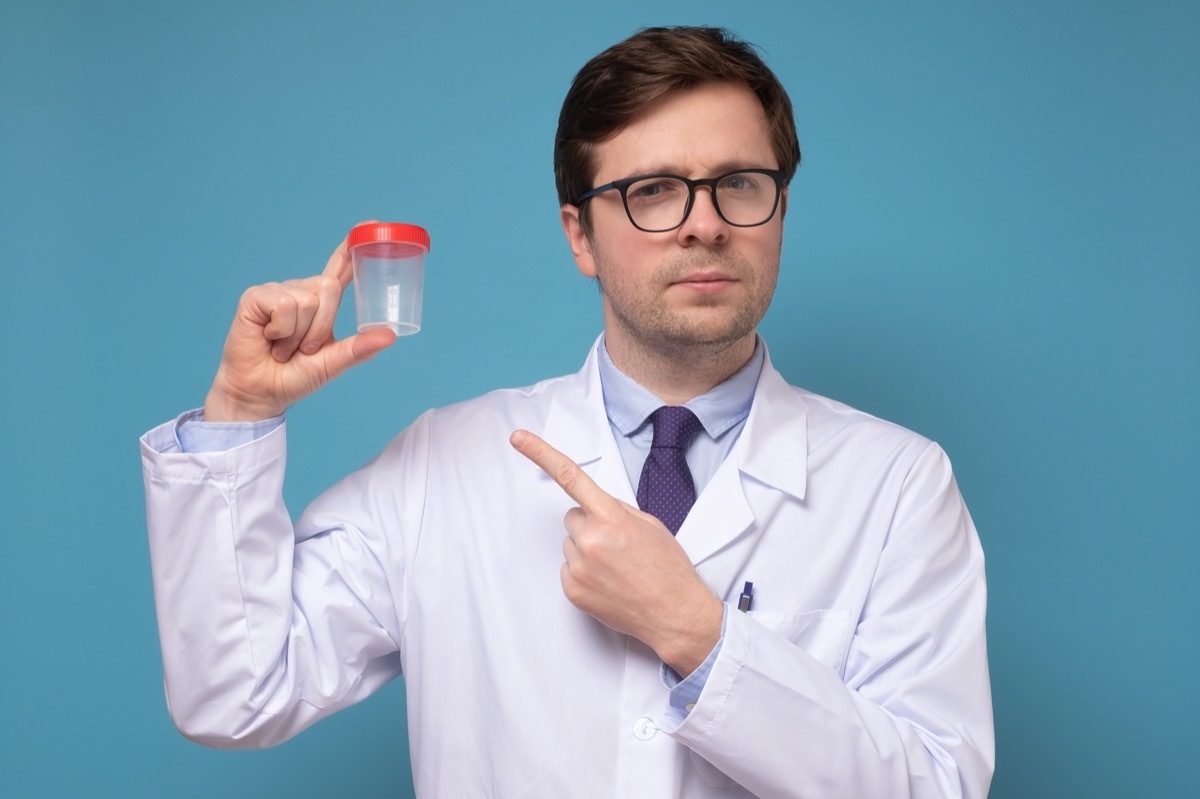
[{"x": 703, "y": 286}]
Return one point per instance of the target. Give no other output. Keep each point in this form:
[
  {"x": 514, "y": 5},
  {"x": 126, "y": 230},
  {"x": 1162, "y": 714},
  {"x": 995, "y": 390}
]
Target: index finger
[
  {"x": 339, "y": 265},
  {"x": 564, "y": 471}
]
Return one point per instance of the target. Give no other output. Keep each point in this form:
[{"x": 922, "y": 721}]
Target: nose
[{"x": 703, "y": 224}]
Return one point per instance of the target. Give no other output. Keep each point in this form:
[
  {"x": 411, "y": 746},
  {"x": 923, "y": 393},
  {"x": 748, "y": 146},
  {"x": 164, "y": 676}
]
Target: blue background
[{"x": 993, "y": 240}]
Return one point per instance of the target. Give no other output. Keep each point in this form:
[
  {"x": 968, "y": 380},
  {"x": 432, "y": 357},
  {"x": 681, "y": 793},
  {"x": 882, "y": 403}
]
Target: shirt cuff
[
  {"x": 685, "y": 693},
  {"x": 196, "y": 435}
]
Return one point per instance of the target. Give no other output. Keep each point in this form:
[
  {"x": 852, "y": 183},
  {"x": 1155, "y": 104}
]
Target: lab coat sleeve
[
  {"x": 910, "y": 716},
  {"x": 266, "y": 628}
]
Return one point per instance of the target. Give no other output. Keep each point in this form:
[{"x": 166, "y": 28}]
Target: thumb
[
  {"x": 370, "y": 342},
  {"x": 341, "y": 355}
]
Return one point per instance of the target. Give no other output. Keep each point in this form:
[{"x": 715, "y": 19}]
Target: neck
[{"x": 680, "y": 375}]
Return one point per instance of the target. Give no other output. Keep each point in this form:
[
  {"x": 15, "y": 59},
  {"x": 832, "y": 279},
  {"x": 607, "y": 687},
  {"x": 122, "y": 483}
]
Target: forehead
[{"x": 695, "y": 133}]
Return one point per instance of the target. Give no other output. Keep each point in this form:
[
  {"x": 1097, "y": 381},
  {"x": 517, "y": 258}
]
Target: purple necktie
[{"x": 665, "y": 489}]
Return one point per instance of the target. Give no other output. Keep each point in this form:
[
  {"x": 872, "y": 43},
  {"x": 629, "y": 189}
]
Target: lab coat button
[{"x": 644, "y": 728}]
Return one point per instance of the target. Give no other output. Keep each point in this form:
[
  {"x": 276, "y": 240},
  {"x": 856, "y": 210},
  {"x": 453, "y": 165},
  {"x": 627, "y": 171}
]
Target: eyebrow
[{"x": 720, "y": 169}]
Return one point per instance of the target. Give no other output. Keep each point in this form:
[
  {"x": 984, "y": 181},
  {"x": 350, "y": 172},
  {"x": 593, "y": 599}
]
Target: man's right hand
[{"x": 281, "y": 347}]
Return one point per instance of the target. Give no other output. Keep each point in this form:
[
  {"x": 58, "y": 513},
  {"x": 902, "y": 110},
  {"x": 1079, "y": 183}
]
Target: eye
[
  {"x": 654, "y": 190},
  {"x": 742, "y": 182}
]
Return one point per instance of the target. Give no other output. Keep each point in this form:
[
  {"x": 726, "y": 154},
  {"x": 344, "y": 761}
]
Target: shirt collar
[{"x": 629, "y": 404}]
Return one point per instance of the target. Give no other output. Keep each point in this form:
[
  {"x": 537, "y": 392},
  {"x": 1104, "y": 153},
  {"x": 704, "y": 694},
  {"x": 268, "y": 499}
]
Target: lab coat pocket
[{"x": 823, "y": 634}]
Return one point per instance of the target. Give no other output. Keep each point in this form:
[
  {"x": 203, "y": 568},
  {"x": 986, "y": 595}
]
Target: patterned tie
[{"x": 665, "y": 489}]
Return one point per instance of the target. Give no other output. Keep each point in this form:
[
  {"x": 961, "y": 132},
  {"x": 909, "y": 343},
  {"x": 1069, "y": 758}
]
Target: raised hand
[
  {"x": 623, "y": 567},
  {"x": 281, "y": 348}
]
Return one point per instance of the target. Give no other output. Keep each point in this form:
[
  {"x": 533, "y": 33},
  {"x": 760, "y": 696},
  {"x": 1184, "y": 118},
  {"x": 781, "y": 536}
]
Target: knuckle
[
  {"x": 328, "y": 284},
  {"x": 588, "y": 539},
  {"x": 281, "y": 298},
  {"x": 306, "y": 301},
  {"x": 256, "y": 293},
  {"x": 574, "y": 581},
  {"x": 569, "y": 587},
  {"x": 566, "y": 474},
  {"x": 572, "y": 593}
]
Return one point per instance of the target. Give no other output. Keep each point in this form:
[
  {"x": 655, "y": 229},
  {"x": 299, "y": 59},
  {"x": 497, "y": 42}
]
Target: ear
[
  {"x": 783, "y": 197},
  {"x": 577, "y": 239}
]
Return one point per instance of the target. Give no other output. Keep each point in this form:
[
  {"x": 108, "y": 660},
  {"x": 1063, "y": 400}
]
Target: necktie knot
[
  {"x": 674, "y": 426},
  {"x": 666, "y": 489}
]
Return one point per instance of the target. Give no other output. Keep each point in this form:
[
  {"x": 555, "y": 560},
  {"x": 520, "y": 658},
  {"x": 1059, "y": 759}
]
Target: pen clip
[{"x": 747, "y": 597}]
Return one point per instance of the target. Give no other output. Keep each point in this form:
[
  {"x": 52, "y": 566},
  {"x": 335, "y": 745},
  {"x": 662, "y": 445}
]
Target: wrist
[
  {"x": 693, "y": 639},
  {"x": 219, "y": 406}
]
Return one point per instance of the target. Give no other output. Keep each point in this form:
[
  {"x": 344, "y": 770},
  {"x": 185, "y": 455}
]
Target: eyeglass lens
[{"x": 743, "y": 198}]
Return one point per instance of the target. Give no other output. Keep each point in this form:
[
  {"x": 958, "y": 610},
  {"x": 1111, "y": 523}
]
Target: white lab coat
[{"x": 861, "y": 670}]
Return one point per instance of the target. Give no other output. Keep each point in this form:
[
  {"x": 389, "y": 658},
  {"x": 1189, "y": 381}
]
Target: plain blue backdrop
[{"x": 993, "y": 240}]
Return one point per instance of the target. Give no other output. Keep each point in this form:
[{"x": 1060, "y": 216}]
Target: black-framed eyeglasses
[{"x": 661, "y": 202}]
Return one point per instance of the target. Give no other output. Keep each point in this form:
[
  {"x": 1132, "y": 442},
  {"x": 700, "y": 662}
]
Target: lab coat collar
[
  {"x": 773, "y": 447},
  {"x": 772, "y": 450}
]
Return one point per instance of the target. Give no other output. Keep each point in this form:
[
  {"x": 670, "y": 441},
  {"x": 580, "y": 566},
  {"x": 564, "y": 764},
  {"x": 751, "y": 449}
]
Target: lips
[
  {"x": 706, "y": 277},
  {"x": 705, "y": 283}
]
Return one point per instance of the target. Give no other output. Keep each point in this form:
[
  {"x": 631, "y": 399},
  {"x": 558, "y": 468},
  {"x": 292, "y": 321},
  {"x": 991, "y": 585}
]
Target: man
[{"x": 812, "y": 626}]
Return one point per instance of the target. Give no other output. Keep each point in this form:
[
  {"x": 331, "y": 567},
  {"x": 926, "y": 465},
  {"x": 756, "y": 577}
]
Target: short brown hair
[{"x": 623, "y": 81}]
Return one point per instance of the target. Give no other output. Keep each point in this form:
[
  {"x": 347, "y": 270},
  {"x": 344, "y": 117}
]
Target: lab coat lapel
[
  {"x": 773, "y": 448},
  {"x": 772, "y": 451},
  {"x": 577, "y": 425}
]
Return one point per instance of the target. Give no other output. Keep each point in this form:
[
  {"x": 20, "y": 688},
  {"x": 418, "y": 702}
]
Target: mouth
[{"x": 705, "y": 281}]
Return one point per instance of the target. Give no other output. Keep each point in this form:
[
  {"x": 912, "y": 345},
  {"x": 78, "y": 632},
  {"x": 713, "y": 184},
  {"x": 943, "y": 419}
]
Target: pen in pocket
[{"x": 746, "y": 597}]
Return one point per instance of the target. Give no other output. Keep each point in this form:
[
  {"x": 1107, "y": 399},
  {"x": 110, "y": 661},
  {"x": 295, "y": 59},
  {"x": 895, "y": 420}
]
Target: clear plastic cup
[{"x": 389, "y": 272}]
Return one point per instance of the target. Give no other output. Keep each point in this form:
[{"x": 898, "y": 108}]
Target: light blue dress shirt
[{"x": 722, "y": 412}]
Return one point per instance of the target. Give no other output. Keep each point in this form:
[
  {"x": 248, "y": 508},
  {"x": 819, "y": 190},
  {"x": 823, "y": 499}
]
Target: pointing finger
[
  {"x": 340, "y": 266},
  {"x": 564, "y": 471}
]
